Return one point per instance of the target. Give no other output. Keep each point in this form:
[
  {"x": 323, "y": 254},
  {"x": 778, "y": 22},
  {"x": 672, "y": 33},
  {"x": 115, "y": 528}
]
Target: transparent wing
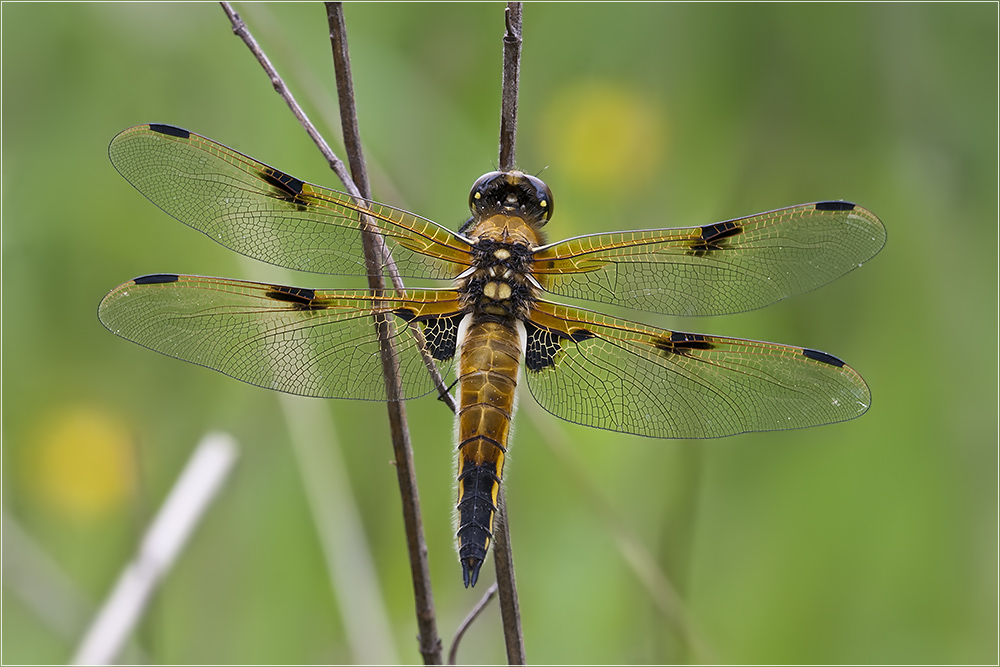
[
  {"x": 613, "y": 374},
  {"x": 296, "y": 340},
  {"x": 266, "y": 214},
  {"x": 726, "y": 267}
]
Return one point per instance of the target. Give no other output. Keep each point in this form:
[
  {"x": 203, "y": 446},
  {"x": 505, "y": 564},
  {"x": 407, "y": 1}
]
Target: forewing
[
  {"x": 296, "y": 340},
  {"x": 613, "y": 374},
  {"x": 726, "y": 267},
  {"x": 266, "y": 214}
]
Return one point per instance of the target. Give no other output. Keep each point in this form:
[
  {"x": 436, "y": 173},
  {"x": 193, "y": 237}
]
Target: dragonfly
[{"x": 491, "y": 327}]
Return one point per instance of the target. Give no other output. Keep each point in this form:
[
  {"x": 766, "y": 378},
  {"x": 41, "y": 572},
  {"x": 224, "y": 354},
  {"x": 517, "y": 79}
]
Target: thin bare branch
[
  {"x": 510, "y": 611},
  {"x": 375, "y": 256},
  {"x": 345, "y": 92},
  {"x": 511, "y": 80},
  {"x": 355, "y": 156},
  {"x": 387, "y": 263},
  {"x": 377, "y": 259},
  {"x": 240, "y": 29},
  {"x": 503, "y": 556},
  {"x": 473, "y": 615}
]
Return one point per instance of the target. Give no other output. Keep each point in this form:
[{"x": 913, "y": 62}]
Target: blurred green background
[{"x": 865, "y": 542}]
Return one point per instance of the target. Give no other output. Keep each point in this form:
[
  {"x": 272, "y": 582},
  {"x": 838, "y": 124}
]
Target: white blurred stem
[
  {"x": 188, "y": 500},
  {"x": 30, "y": 573},
  {"x": 39, "y": 582}
]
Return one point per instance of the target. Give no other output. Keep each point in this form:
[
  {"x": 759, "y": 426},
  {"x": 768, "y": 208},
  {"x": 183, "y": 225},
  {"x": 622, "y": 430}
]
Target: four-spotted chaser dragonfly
[{"x": 580, "y": 365}]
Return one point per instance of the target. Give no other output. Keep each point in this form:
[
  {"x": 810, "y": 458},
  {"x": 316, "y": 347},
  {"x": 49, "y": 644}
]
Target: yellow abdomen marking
[{"x": 488, "y": 365}]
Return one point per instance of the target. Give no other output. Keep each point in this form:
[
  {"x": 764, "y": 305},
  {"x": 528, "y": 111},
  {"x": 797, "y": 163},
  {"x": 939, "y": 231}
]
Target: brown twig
[
  {"x": 510, "y": 611},
  {"x": 345, "y": 93},
  {"x": 387, "y": 263},
  {"x": 428, "y": 640},
  {"x": 473, "y": 615},
  {"x": 503, "y": 556},
  {"x": 511, "y": 80},
  {"x": 377, "y": 258},
  {"x": 241, "y": 31}
]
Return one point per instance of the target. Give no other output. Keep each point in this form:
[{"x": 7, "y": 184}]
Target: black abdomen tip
[{"x": 470, "y": 570}]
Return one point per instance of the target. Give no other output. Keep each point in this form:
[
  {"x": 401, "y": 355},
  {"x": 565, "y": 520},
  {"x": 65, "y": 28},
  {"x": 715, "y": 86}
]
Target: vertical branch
[
  {"x": 429, "y": 642},
  {"x": 377, "y": 259},
  {"x": 345, "y": 94},
  {"x": 503, "y": 557},
  {"x": 510, "y": 610},
  {"x": 511, "y": 80}
]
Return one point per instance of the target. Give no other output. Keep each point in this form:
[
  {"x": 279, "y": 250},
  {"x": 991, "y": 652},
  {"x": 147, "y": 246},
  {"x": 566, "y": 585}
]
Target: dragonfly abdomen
[{"x": 489, "y": 362}]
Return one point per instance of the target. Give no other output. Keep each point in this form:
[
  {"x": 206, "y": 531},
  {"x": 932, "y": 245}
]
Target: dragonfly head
[{"x": 511, "y": 193}]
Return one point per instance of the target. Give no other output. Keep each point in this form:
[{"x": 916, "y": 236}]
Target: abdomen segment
[{"x": 489, "y": 361}]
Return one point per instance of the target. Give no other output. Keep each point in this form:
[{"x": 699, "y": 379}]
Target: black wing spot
[
  {"x": 170, "y": 131},
  {"x": 680, "y": 343},
  {"x": 286, "y": 188},
  {"x": 835, "y": 206},
  {"x": 300, "y": 298},
  {"x": 713, "y": 237},
  {"x": 545, "y": 344},
  {"x": 156, "y": 279},
  {"x": 440, "y": 332},
  {"x": 823, "y": 357}
]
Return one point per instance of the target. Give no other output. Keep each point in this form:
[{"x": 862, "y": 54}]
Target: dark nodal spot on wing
[
  {"x": 282, "y": 181},
  {"x": 156, "y": 279},
  {"x": 834, "y": 206},
  {"x": 580, "y": 335},
  {"x": 300, "y": 298},
  {"x": 823, "y": 357},
  {"x": 406, "y": 313},
  {"x": 286, "y": 188},
  {"x": 720, "y": 230},
  {"x": 170, "y": 130},
  {"x": 679, "y": 343},
  {"x": 713, "y": 237}
]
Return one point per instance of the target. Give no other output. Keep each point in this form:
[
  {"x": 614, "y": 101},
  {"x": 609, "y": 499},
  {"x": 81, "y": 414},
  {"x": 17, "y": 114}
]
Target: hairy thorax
[{"x": 500, "y": 287}]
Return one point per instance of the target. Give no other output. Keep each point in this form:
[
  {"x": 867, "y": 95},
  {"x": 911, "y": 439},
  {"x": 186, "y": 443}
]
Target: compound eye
[
  {"x": 479, "y": 189},
  {"x": 543, "y": 195}
]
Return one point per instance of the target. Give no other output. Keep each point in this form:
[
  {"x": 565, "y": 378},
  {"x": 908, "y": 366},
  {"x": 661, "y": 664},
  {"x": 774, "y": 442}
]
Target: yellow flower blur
[
  {"x": 606, "y": 135},
  {"x": 83, "y": 464}
]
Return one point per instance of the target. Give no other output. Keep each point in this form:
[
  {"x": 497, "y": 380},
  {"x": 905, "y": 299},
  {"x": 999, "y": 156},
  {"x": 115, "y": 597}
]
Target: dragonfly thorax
[{"x": 499, "y": 288}]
